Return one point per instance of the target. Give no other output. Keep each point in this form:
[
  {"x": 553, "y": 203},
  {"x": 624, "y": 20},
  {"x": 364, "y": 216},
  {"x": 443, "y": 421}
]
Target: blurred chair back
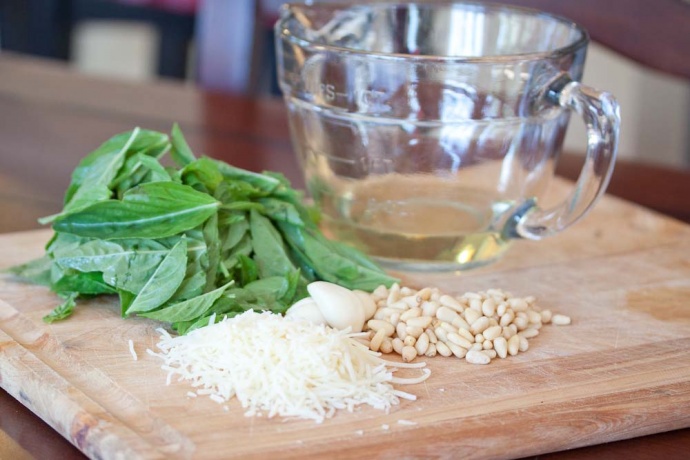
[{"x": 45, "y": 27}]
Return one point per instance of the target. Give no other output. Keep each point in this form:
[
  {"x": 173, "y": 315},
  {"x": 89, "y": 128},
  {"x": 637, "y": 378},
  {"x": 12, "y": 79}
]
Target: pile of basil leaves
[{"x": 180, "y": 244}]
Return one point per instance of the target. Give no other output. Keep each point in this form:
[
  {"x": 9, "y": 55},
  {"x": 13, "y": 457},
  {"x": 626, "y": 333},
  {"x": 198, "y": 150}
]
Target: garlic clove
[
  {"x": 340, "y": 307},
  {"x": 367, "y": 303},
  {"x": 306, "y": 309}
]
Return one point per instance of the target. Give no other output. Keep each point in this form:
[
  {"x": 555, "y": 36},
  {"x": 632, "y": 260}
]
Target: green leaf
[
  {"x": 126, "y": 264},
  {"x": 248, "y": 271},
  {"x": 151, "y": 210},
  {"x": 37, "y": 271},
  {"x": 213, "y": 250},
  {"x": 269, "y": 250},
  {"x": 243, "y": 248},
  {"x": 202, "y": 171},
  {"x": 164, "y": 281},
  {"x": 282, "y": 211},
  {"x": 189, "y": 309},
  {"x": 263, "y": 182},
  {"x": 83, "y": 283},
  {"x": 180, "y": 153},
  {"x": 63, "y": 310},
  {"x": 139, "y": 169}
]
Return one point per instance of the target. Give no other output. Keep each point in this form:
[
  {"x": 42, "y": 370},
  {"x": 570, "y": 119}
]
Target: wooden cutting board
[{"x": 621, "y": 370}]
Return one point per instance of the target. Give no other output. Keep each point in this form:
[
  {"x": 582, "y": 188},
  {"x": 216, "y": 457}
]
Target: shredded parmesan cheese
[
  {"x": 284, "y": 367},
  {"x": 132, "y": 351}
]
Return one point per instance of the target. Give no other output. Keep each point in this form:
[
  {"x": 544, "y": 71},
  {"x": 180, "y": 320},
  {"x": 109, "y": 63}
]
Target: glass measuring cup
[{"x": 428, "y": 132}]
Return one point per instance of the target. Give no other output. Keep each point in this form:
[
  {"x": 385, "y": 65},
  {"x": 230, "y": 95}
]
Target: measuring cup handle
[{"x": 601, "y": 115}]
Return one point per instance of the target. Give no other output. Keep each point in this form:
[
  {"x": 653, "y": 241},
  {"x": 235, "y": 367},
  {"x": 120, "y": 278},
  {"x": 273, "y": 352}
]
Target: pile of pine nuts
[{"x": 477, "y": 326}]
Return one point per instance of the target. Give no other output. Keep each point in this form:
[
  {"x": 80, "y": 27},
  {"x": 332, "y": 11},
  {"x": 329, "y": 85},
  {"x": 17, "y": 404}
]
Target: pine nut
[
  {"x": 480, "y": 325},
  {"x": 533, "y": 316},
  {"x": 495, "y": 293},
  {"x": 471, "y": 295},
  {"x": 507, "y": 318},
  {"x": 518, "y": 304},
  {"x": 377, "y": 340},
  {"x": 479, "y": 338},
  {"x": 471, "y": 315},
  {"x": 514, "y": 345},
  {"x": 399, "y": 305},
  {"x": 457, "y": 350},
  {"x": 412, "y": 301},
  {"x": 432, "y": 335},
  {"x": 476, "y": 304},
  {"x": 546, "y": 316},
  {"x": 378, "y": 324},
  {"x": 401, "y": 330},
  {"x": 477, "y": 357},
  {"x": 409, "y": 341},
  {"x": 414, "y": 331},
  {"x": 395, "y": 319},
  {"x": 487, "y": 345},
  {"x": 477, "y": 347},
  {"x": 560, "y": 320},
  {"x": 407, "y": 291},
  {"x": 460, "y": 323},
  {"x": 411, "y": 313},
  {"x": 422, "y": 344},
  {"x": 521, "y": 323},
  {"x": 431, "y": 351},
  {"x": 380, "y": 292},
  {"x": 490, "y": 353},
  {"x": 501, "y": 346},
  {"x": 492, "y": 332},
  {"x": 419, "y": 321},
  {"x": 466, "y": 334},
  {"x": 501, "y": 309},
  {"x": 524, "y": 344},
  {"x": 448, "y": 327},
  {"x": 450, "y": 302},
  {"x": 393, "y": 294},
  {"x": 443, "y": 350},
  {"x": 489, "y": 307},
  {"x": 446, "y": 314},
  {"x": 384, "y": 313},
  {"x": 528, "y": 333},
  {"x": 408, "y": 354},
  {"x": 456, "y": 339},
  {"x": 429, "y": 308},
  {"x": 424, "y": 294},
  {"x": 507, "y": 333},
  {"x": 398, "y": 345},
  {"x": 386, "y": 346},
  {"x": 530, "y": 299},
  {"x": 442, "y": 334}
]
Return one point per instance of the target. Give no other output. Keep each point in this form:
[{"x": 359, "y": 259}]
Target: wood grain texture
[
  {"x": 621, "y": 370},
  {"x": 50, "y": 117}
]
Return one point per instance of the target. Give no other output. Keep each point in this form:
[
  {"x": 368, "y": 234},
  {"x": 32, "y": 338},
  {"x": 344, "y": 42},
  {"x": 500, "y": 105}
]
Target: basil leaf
[
  {"x": 37, "y": 271},
  {"x": 151, "y": 210},
  {"x": 189, "y": 309},
  {"x": 164, "y": 281},
  {"x": 269, "y": 250},
  {"x": 63, "y": 310},
  {"x": 180, "y": 153}
]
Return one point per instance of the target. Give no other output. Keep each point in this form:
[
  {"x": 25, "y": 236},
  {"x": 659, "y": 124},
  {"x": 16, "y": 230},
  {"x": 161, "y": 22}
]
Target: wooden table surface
[{"x": 51, "y": 117}]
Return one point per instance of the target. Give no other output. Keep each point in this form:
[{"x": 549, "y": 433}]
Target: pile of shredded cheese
[{"x": 283, "y": 367}]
